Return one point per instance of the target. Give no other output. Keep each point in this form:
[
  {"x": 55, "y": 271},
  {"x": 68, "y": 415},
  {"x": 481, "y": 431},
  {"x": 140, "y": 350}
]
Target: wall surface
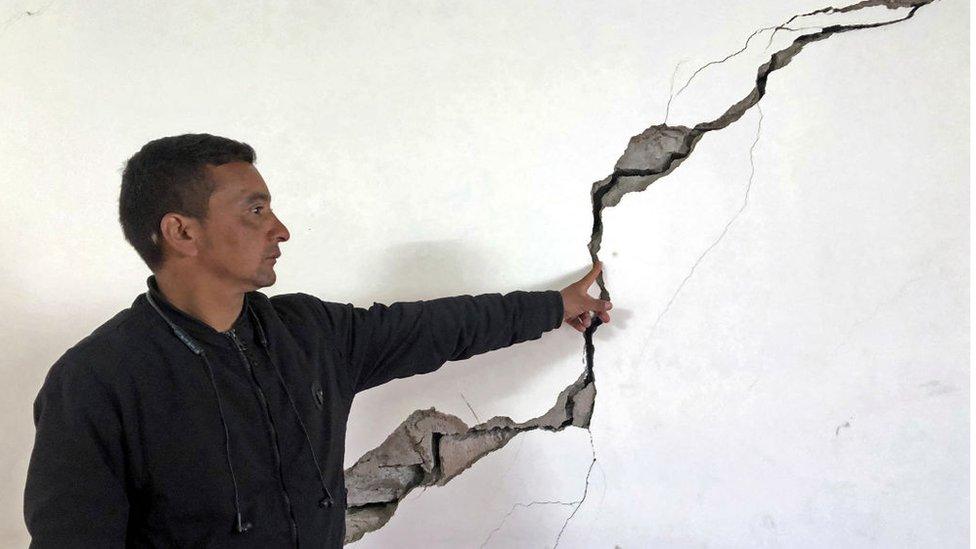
[{"x": 787, "y": 363}]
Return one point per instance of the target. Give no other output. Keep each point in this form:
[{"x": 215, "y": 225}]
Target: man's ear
[{"x": 179, "y": 233}]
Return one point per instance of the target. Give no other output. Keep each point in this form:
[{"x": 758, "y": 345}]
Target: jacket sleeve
[
  {"x": 386, "y": 342},
  {"x": 75, "y": 495}
]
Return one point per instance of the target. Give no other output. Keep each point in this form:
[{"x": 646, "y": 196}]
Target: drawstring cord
[
  {"x": 328, "y": 500},
  {"x": 241, "y": 525}
]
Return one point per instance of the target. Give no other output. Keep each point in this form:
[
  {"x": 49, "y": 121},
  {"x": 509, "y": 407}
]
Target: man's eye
[{"x": 257, "y": 208}]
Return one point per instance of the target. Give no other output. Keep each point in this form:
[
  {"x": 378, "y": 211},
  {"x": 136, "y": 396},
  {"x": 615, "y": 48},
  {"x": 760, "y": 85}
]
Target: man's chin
[{"x": 266, "y": 277}]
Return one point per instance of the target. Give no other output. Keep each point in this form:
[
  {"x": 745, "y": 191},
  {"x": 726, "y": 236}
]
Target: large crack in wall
[{"x": 430, "y": 448}]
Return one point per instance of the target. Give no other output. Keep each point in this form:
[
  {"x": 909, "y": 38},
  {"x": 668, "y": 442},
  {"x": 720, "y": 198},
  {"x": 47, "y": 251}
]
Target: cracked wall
[
  {"x": 443, "y": 446},
  {"x": 782, "y": 241}
]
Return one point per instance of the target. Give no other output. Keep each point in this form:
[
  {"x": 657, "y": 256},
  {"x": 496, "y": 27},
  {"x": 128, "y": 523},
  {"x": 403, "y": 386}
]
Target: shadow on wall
[
  {"x": 455, "y": 267},
  {"x": 429, "y": 269}
]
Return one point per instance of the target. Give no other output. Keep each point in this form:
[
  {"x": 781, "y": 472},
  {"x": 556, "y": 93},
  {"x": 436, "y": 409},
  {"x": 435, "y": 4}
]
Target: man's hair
[{"x": 169, "y": 175}]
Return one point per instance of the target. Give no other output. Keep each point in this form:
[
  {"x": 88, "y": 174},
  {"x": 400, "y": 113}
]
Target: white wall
[{"x": 807, "y": 387}]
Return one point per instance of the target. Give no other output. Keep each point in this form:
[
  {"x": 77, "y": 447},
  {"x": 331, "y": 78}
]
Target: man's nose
[{"x": 281, "y": 232}]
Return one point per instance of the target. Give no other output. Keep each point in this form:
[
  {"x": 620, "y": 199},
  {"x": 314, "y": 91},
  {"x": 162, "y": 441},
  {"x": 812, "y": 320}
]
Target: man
[{"x": 208, "y": 414}]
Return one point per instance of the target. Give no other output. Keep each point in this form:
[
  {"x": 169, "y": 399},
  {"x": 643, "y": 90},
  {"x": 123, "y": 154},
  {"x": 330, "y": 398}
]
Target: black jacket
[{"x": 158, "y": 431}]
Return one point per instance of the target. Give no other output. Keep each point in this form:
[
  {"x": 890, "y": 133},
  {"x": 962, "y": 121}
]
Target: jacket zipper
[{"x": 241, "y": 348}]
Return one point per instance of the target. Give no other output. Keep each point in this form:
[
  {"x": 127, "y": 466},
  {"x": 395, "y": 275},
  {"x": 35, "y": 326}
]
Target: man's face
[{"x": 241, "y": 233}]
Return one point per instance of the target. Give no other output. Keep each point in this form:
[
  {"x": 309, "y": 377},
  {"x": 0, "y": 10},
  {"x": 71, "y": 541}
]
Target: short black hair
[{"x": 169, "y": 175}]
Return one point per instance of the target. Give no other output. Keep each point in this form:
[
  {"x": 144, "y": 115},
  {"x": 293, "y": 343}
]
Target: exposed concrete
[{"x": 430, "y": 448}]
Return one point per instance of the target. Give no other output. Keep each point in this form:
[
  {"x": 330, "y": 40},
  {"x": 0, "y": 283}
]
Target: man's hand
[{"x": 577, "y": 303}]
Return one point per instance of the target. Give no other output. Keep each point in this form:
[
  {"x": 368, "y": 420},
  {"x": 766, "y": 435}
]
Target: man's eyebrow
[{"x": 255, "y": 196}]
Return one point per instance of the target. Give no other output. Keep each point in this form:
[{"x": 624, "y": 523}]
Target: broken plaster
[{"x": 430, "y": 448}]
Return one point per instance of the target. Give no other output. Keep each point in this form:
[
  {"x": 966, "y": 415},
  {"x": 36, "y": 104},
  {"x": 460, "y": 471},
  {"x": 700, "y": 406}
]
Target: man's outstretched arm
[{"x": 386, "y": 342}]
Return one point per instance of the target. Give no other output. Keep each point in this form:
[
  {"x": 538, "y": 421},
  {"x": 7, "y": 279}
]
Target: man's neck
[{"x": 202, "y": 298}]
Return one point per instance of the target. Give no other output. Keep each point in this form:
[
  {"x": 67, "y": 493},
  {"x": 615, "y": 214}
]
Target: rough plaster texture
[
  {"x": 787, "y": 365},
  {"x": 431, "y": 448}
]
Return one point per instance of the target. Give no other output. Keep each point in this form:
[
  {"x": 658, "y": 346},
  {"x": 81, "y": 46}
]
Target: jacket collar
[{"x": 197, "y": 328}]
